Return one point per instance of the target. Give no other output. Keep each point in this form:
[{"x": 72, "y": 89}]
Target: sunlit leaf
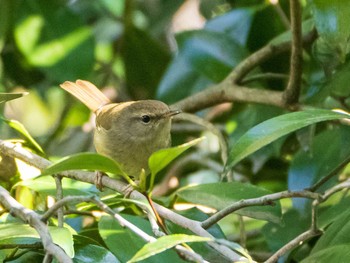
[
  {"x": 88, "y": 161},
  {"x": 15, "y": 232},
  {"x": 164, "y": 243},
  {"x": 272, "y": 129},
  {"x": 46, "y": 185},
  {"x": 19, "y": 127}
]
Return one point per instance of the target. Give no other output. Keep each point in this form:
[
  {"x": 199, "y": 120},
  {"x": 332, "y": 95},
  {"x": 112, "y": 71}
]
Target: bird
[{"x": 127, "y": 132}]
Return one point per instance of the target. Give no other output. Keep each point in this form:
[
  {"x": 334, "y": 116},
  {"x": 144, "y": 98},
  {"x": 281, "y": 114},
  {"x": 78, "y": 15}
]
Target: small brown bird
[{"x": 127, "y": 132}]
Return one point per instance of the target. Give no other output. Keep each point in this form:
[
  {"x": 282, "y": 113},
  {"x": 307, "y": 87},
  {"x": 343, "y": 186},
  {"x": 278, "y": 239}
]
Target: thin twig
[
  {"x": 59, "y": 196},
  {"x": 292, "y": 92},
  {"x": 331, "y": 174},
  {"x": 210, "y": 127},
  {"x": 293, "y": 244},
  {"x": 263, "y": 200},
  {"x": 62, "y": 202},
  {"x": 282, "y": 15}
]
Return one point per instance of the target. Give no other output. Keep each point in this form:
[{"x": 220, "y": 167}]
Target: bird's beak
[{"x": 171, "y": 113}]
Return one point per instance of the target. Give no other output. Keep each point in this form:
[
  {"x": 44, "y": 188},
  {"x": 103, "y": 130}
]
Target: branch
[
  {"x": 293, "y": 244},
  {"x": 263, "y": 200},
  {"x": 17, "y": 151},
  {"x": 331, "y": 174},
  {"x": 33, "y": 219},
  {"x": 229, "y": 91},
  {"x": 292, "y": 92}
]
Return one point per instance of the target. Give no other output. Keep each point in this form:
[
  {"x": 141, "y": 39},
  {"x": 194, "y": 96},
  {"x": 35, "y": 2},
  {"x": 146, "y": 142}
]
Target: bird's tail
[{"x": 87, "y": 93}]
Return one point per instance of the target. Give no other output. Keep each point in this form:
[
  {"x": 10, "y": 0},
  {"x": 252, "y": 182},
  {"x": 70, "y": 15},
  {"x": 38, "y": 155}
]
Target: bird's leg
[
  {"x": 98, "y": 179},
  {"x": 127, "y": 190}
]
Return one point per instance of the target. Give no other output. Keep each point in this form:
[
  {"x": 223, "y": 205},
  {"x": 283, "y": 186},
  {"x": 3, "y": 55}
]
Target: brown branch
[
  {"x": 33, "y": 219},
  {"x": 292, "y": 92},
  {"x": 229, "y": 91},
  {"x": 293, "y": 244},
  {"x": 18, "y": 152},
  {"x": 263, "y": 200},
  {"x": 331, "y": 174}
]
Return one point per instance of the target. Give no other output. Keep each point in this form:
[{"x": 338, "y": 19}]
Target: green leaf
[
  {"x": 16, "y": 125},
  {"x": 308, "y": 167},
  {"x": 124, "y": 243},
  {"x": 338, "y": 84},
  {"x": 160, "y": 159},
  {"x": 338, "y": 253},
  {"x": 164, "y": 243},
  {"x": 17, "y": 233},
  {"x": 11, "y": 96},
  {"x": 46, "y": 185},
  {"x": 90, "y": 253},
  {"x": 277, "y": 235},
  {"x": 178, "y": 75},
  {"x": 88, "y": 161},
  {"x": 53, "y": 38},
  {"x": 273, "y": 129},
  {"x": 337, "y": 233},
  {"x": 212, "y": 54},
  {"x": 139, "y": 48},
  {"x": 221, "y": 195},
  {"x": 332, "y": 19},
  {"x": 235, "y": 23}
]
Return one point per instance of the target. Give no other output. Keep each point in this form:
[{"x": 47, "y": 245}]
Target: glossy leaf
[
  {"x": 89, "y": 161},
  {"x": 11, "y": 96},
  {"x": 221, "y": 195},
  {"x": 202, "y": 248},
  {"x": 236, "y": 23},
  {"x": 160, "y": 159},
  {"x": 46, "y": 185},
  {"x": 273, "y": 129},
  {"x": 310, "y": 166},
  {"x": 332, "y": 20},
  {"x": 210, "y": 53},
  {"x": 178, "y": 75},
  {"x": 205, "y": 57},
  {"x": 124, "y": 243},
  {"x": 164, "y": 243},
  {"x": 19, "y": 127},
  {"x": 89, "y": 253},
  {"x": 338, "y": 253},
  {"x": 16, "y": 231},
  {"x": 337, "y": 233}
]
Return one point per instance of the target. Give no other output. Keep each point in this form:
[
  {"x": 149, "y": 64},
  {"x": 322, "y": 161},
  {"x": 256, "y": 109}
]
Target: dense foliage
[{"x": 273, "y": 160}]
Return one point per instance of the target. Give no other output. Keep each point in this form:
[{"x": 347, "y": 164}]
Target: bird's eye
[{"x": 145, "y": 118}]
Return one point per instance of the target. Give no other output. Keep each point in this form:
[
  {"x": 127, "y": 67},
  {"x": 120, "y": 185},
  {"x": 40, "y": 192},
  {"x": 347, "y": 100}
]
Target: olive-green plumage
[{"x": 127, "y": 132}]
